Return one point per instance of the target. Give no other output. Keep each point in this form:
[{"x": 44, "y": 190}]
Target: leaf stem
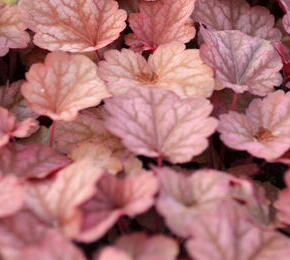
[{"x": 235, "y": 101}]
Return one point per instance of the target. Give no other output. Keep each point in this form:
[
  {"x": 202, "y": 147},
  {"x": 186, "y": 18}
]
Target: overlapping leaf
[
  {"x": 10, "y": 128},
  {"x": 241, "y": 62},
  {"x": 226, "y": 234},
  {"x": 170, "y": 67},
  {"x": 30, "y": 161},
  {"x": 286, "y": 19},
  {"x": 140, "y": 246},
  {"x": 56, "y": 200},
  {"x": 236, "y": 15},
  {"x": 23, "y": 236},
  {"x": 12, "y": 99},
  {"x": 12, "y": 30},
  {"x": 263, "y": 130},
  {"x": 63, "y": 85},
  {"x": 75, "y": 26},
  {"x": 11, "y": 195},
  {"x": 157, "y": 123},
  {"x": 114, "y": 198},
  {"x": 160, "y": 22},
  {"x": 201, "y": 192}
]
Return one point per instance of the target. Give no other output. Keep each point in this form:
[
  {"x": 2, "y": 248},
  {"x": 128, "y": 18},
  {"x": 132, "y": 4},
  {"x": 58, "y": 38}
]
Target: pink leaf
[
  {"x": 236, "y": 15},
  {"x": 157, "y": 123},
  {"x": 53, "y": 246},
  {"x": 30, "y": 161},
  {"x": 160, "y": 22},
  {"x": 56, "y": 200},
  {"x": 12, "y": 30},
  {"x": 10, "y": 128},
  {"x": 74, "y": 26},
  {"x": 63, "y": 85},
  {"x": 241, "y": 62},
  {"x": 140, "y": 246},
  {"x": 263, "y": 130},
  {"x": 183, "y": 197},
  {"x": 286, "y": 19},
  {"x": 114, "y": 198},
  {"x": 23, "y": 236},
  {"x": 11, "y": 195},
  {"x": 226, "y": 234},
  {"x": 170, "y": 67}
]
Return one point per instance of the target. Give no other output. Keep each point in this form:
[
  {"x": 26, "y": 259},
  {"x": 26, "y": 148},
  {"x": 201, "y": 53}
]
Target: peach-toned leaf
[
  {"x": 56, "y": 200},
  {"x": 23, "y": 236},
  {"x": 236, "y": 15},
  {"x": 11, "y": 99},
  {"x": 226, "y": 234},
  {"x": 87, "y": 132},
  {"x": 140, "y": 246},
  {"x": 12, "y": 30},
  {"x": 11, "y": 195},
  {"x": 101, "y": 155},
  {"x": 114, "y": 198},
  {"x": 170, "y": 67},
  {"x": 87, "y": 127},
  {"x": 10, "y": 128},
  {"x": 30, "y": 161},
  {"x": 263, "y": 130},
  {"x": 183, "y": 197},
  {"x": 157, "y": 123},
  {"x": 160, "y": 22},
  {"x": 75, "y": 26},
  {"x": 241, "y": 62},
  {"x": 63, "y": 85}
]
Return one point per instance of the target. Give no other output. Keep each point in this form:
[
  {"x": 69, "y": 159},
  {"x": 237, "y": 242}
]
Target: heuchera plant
[{"x": 144, "y": 129}]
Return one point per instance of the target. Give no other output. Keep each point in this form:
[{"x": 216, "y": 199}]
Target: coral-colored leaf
[
  {"x": 170, "y": 67},
  {"x": 263, "y": 131},
  {"x": 160, "y": 22},
  {"x": 12, "y": 30},
  {"x": 10, "y": 128},
  {"x": 226, "y": 234},
  {"x": 75, "y": 26},
  {"x": 184, "y": 197},
  {"x": 56, "y": 200},
  {"x": 30, "y": 161},
  {"x": 241, "y": 62},
  {"x": 63, "y": 85},
  {"x": 116, "y": 197},
  {"x": 236, "y": 15},
  {"x": 12, "y": 99},
  {"x": 11, "y": 195},
  {"x": 157, "y": 123},
  {"x": 141, "y": 246}
]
